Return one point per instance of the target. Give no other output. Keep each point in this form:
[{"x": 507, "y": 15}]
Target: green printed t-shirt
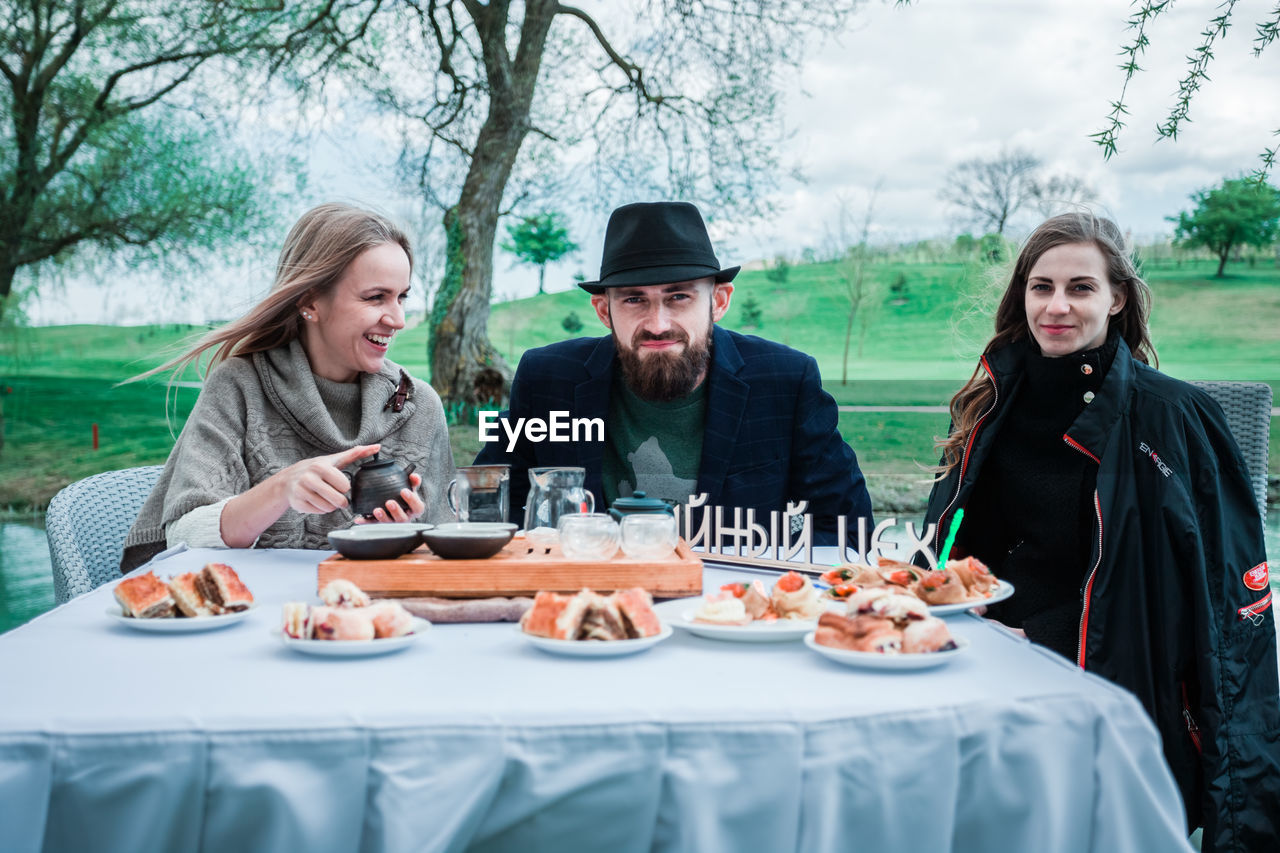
[{"x": 654, "y": 448}]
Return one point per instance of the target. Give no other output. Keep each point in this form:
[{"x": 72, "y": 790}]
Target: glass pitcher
[
  {"x": 480, "y": 493},
  {"x": 554, "y": 492}
]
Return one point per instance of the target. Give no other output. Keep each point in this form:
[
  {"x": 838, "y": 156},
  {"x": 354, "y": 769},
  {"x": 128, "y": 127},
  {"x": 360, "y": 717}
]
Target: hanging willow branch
[{"x": 1198, "y": 62}]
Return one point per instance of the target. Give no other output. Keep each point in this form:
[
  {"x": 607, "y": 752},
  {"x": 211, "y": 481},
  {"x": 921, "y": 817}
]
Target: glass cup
[
  {"x": 648, "y": 535},
  {"x": 480, "y": 493},
  {"x": 588, "y": 535}
]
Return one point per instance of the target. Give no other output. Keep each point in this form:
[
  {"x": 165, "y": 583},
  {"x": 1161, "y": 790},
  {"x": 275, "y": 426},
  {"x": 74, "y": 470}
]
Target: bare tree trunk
[
  {"x": 1222, "y": 261},
  {"x": 848, "y": 336},
  {"x": 460, "y": 317},
  {"x": 7, "y": 273},
  {"x": 853, "y": 270},
  {"x": 16, "y": 205},
  {"x": 460, "y": 347},
  {"x": 542, "y": 272}
]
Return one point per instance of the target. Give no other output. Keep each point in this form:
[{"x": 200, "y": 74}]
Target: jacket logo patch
[
  {"x": 1253, "y": 612},
  {"x": 1257, "y": 577},
  {"x": 1150, "y": 453}
]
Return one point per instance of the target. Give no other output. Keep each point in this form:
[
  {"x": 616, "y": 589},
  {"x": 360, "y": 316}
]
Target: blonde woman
[
  {"x": 1115, "y": 500},
  {"x": 298, "y": 390}
]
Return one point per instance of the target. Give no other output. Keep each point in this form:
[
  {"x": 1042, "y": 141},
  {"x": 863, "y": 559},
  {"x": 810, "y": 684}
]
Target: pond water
[{"x": 26, "y": 573}]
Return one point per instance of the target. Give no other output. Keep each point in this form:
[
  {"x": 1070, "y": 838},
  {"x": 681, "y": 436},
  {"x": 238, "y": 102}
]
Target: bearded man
[{"x": 688, "y": 407}]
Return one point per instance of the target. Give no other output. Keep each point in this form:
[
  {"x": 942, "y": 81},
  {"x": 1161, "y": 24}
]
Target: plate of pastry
[
  {"x": 587, "y": 624},
  {"x": 211, "y": 598},
  {"x": 960, "y": 586},
  {"x": 349, "y": 624},
  {"x": 352, "y": 648},
  {"x": 881, "y": 660},
  {"x": 886, "y": 636},
  {"x": 999, "y": 592},
  {"x": 748, "y": 612}
]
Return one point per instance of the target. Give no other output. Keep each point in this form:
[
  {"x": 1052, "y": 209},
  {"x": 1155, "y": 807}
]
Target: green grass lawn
[
  {"x": 62, "y": 378},
  {"x": 49, "y": 431}
]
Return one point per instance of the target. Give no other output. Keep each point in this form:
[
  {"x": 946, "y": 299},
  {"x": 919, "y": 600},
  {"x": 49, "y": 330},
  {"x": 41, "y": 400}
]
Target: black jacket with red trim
[{"x": 1175, "y": 606}]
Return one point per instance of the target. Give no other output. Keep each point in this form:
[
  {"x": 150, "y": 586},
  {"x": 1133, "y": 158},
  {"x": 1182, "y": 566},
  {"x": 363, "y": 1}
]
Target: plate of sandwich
[
  {"x": 597, "y": 648},
  {"x": 211, "y": 598},
  {"x": 587, "y": 624}
]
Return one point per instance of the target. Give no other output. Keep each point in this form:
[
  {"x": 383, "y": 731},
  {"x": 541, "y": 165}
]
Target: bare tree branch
[{"x": 990, "y": 192}]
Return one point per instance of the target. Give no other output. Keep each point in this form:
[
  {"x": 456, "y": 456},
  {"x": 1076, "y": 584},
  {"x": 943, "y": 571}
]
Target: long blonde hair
[
  {"x": 976, "y": 396},
  {"x": 317, "y": 251}
]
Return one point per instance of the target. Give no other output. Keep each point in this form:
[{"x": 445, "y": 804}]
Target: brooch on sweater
[{"x": 404, "y": 391}]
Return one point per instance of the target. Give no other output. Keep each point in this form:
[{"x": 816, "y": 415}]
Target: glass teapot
[{"x": 554, "y": 492}]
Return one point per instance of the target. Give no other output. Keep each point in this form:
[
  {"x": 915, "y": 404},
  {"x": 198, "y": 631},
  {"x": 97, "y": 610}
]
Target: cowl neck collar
[{"x": 289, "y": 384}]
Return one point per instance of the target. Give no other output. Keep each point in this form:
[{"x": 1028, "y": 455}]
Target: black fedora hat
[{"x": 659, "y": 242}]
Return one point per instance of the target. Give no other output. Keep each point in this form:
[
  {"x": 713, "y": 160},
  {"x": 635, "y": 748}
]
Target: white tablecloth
[{"x": 112, "y": 739}]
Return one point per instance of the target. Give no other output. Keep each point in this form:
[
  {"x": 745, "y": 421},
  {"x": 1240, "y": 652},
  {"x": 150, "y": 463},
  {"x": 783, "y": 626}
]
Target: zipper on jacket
[
  {"x": 964, "y": 460},
  {"x": 1253, "y": 612},
  {"x": 1088, "y": 586},
  {"x": 1192, "y": 729}
]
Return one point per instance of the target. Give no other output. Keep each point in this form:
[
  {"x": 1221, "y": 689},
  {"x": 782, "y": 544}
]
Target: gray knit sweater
[{"x": 259, "y": 414}]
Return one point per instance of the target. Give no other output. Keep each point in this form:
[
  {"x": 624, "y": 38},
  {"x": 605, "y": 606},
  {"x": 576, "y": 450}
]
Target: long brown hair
[
  {"x": 972, "y": 400},
  {"x": 317, "y": 251}
]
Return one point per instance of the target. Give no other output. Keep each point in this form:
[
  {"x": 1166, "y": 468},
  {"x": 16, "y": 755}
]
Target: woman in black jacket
[{"x": 1115, "y": 500}]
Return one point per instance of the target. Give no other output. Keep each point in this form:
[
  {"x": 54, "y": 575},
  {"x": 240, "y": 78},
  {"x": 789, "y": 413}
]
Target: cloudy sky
[
  {"x": 897, "y": 100},
  {"x": 913, "y": 91}
]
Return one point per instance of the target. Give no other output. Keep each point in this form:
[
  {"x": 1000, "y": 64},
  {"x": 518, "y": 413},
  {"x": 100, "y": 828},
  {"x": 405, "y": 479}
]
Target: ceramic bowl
[
  {"x": 468, "y": 540},
  {"x": 378, "y": 541}
]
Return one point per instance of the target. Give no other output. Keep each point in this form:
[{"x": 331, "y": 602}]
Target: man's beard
[{"x": 663, "y": 375}]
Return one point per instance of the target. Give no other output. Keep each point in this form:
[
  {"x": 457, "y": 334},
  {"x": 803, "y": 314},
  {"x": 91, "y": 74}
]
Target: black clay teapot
[{"x": 377, "y": 481}]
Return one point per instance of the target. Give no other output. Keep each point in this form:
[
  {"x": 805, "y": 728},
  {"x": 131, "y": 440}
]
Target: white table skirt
[{"x": 112, "y": 739}]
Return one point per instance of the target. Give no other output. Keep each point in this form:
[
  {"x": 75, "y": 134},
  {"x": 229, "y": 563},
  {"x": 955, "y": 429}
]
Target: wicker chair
[
  {"x": 1248, "y": 409},
  {"x": 87, "y": 522}
]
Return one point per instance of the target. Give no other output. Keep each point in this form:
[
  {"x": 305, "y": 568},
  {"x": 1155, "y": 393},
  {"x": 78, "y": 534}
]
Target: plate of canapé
[{"x": 748, "y": 611}]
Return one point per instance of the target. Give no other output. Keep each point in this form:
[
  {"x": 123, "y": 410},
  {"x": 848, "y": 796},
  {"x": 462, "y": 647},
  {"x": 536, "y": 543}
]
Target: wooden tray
[{"x": 514, "y": 571}]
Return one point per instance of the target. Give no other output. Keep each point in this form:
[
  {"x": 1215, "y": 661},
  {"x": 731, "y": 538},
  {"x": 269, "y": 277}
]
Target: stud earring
[{"x": 306, "y": 316}]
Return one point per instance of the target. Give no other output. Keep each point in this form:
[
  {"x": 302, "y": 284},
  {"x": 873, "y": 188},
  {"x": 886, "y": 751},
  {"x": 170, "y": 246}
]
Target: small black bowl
[
  {"x": 378, "y": 541},
  {"x": 468, "y": 540}
]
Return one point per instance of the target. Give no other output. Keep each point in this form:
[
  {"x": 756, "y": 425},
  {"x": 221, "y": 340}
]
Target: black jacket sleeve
[{"x": 1238, "y": 709}]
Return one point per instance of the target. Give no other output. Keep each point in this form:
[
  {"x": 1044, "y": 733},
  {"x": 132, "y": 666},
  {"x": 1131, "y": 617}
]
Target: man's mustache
[{"x": 675, "y": 335}]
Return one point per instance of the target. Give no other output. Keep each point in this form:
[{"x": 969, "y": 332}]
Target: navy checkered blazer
[{"x": 770, "y": 432}]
